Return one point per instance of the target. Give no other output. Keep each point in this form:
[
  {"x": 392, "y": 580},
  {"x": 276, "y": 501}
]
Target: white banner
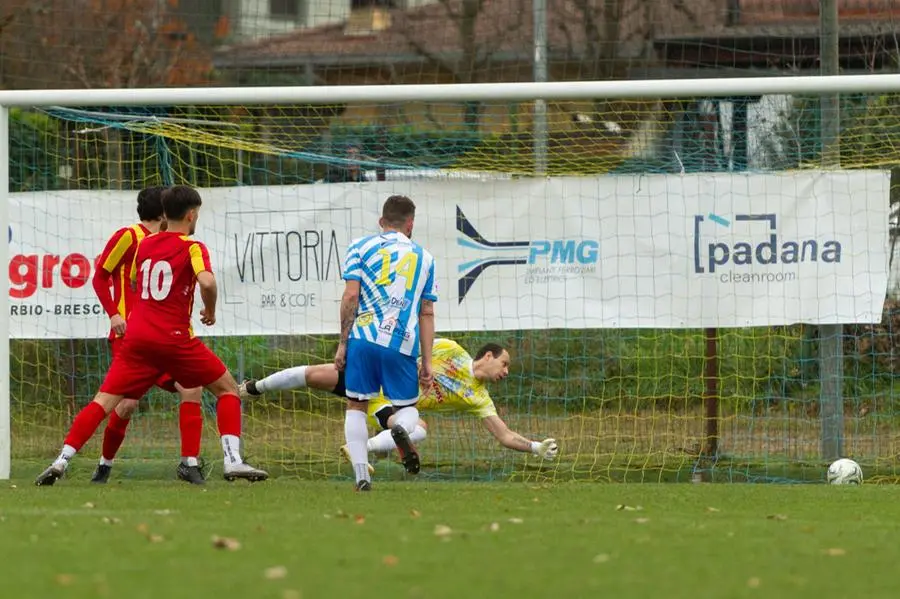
[{"x": 670, "y": 251}]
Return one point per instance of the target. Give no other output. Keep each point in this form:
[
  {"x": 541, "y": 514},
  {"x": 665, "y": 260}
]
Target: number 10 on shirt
[{"x": 156, "y": 279}]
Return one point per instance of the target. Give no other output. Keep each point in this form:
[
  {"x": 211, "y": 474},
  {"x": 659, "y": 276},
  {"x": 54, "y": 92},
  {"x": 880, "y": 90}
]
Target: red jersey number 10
[{"x": 156, "y": 279}]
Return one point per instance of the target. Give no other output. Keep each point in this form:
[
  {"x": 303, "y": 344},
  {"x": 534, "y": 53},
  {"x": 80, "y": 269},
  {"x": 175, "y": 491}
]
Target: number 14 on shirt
[{"x": 406, "y": 268}]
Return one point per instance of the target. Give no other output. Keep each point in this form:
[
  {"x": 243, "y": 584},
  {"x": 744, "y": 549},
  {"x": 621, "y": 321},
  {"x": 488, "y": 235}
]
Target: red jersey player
[
  {"x": 112, "y": 284},
  {"x": 168, "y": 267}
]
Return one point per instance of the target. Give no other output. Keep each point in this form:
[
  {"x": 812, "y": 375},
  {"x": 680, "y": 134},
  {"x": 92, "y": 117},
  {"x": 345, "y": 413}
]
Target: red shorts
[
  {"x": 139, "y": 363},
  {"x": 164, "y": 382}
]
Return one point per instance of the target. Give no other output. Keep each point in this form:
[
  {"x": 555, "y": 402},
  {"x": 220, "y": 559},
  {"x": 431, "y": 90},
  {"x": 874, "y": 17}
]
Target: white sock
[
  {"x": 283, "y": 380},
  {"x": 356, "y": 433},
  {"x": 189, "y": 461},
  {"x": 418, "y": 434},
  {"x": 384, "y": 443},
  {"x": 105, "y": 462},
  {"x": 407, "y": 417},
  {"x": 68, "y": 452},
  {"x": 231, "y": 446},
  {"x": 381, "y": 443}
]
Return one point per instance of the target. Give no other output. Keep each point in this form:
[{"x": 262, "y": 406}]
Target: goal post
[
  {"x": 5, "y": 420},
  {"x": 604, "y": 277},
  {"x": 454, "y": 92}
]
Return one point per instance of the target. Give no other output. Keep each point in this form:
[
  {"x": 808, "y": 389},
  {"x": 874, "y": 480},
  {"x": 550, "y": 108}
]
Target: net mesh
[{"x": 624, "y": 404}]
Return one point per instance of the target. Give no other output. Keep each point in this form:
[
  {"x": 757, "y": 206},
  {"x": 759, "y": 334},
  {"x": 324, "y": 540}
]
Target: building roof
[
  {"x": 868, "y": 44},
  {"x": 503, "y": 31},
  {"x": 800, "y": 30}
]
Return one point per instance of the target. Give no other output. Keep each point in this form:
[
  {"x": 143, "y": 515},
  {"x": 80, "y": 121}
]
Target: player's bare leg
[
  {"x": 228, "y": 418},
  {"x": 356, "y": 432},
  {"x": 318, "y": 376},
  {"x": 83, "y": 428},
  {"x": 190, "y": 424},
  {"x": 113, "y": 436},
  {"x": 405, "y": 419}
]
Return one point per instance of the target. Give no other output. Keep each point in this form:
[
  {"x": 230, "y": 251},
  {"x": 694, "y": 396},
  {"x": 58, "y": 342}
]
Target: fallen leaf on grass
[
  {"x": 601, "y": 558},
  {"x": 415, "y": 513},
  {"x": 779, "y": 517},
  {"x": 754, "y": 582},
  {"x": 88, "y": 505},
  {"x": 13, "y": 487},
  {"x": 642, "y": 520},
  {"x": 108, "y": 520},
  {"x": 275, "y": 573},
  {"x": 162, "y": 512},
  {"x": 835, "y": 552},
  {"x": 628, "y": 508},
  {"x": 442, "y": 531},
  {"x": 495, "y": 527},
  {"x": 64, "y": 579},
  {"x": 143, "y": 528},
  {"x": 226, "y": 543},
  {"x": 359, "y": 519},
  {"x": 713, "y": 509},
  {"x": 515, "y": 520},
  {"x": 390, "y": 560},
  {"x": 156, "y": 538}
]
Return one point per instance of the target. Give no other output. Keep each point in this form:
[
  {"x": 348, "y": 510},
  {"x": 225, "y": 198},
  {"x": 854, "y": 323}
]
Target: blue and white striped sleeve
[
  {"x": 353, "y": 263},
  {"x": 429, "y": 292}
]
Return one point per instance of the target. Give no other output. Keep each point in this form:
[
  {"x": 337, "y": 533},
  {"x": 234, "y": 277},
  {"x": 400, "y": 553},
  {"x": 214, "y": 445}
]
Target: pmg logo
[
  {"x": 551, "y": 259},
  {"x": 731, "y": 248}
]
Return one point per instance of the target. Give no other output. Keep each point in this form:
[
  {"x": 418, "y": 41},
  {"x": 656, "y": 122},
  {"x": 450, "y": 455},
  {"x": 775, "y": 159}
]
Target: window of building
[
  {"x": 354, "y": 4},
  {"x": 284, "y": 9}
]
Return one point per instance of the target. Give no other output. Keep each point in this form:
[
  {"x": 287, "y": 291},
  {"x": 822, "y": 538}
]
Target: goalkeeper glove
[{"x": 546, "y": 449}]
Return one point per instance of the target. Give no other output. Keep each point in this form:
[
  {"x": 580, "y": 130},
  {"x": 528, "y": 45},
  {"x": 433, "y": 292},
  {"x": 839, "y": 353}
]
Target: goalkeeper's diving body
[{"x": 459, "y": 386}]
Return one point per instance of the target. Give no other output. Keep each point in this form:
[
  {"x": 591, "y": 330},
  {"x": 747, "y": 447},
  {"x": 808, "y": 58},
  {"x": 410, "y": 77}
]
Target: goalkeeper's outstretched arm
[{"x": 510, "y": 439}]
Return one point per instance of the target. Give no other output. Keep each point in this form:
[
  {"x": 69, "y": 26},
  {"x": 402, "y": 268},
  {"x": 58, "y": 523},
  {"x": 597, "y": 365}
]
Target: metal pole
[
  {"x": 711, "y": 392},
  {"x": 539, "y": 126},
  {"x": 831, "y": 357},
  {"x": 5, "y": 418}
]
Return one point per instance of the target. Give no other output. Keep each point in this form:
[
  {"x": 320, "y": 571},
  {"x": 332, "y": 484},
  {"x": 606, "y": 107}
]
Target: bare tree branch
[
  {"x": 432, "y": 57},
  {"x": 448, "y": 6},
  {"x": 682, "y": 7},
  {"x": 126, "y": 43}
]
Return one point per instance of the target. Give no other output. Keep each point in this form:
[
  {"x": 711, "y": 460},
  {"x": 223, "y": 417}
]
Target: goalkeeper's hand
[{"x": 547, "y": 449}]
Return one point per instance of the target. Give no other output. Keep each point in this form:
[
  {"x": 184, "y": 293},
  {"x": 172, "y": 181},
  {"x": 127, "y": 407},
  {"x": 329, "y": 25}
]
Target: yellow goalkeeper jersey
[{"x": 455, "y": 388}]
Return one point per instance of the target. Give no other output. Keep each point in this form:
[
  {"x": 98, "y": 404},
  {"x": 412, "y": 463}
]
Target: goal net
[{"x": 659, "y": 285}]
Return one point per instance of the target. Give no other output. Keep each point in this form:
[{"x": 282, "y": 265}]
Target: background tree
[
  {"x": 99, "y": 43},
  {"x": 469, "y": 34}
]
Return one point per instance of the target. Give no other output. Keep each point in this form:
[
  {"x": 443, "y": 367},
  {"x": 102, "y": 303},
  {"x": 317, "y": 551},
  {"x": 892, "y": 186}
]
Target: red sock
[
  {"x": 190, "y": 422},
  {"x": 114, "y": 435},
  {"x": 85, "y": 425},
  {"x": 228, "y": 415}
]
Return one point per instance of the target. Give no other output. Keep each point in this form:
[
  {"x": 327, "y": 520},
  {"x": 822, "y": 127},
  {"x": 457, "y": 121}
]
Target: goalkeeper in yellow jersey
[{"x": 459, "y": 386}]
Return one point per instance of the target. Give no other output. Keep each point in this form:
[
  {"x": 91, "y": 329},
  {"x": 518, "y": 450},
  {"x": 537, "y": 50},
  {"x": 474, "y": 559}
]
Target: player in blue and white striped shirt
[{"x": 387, "y": 315}]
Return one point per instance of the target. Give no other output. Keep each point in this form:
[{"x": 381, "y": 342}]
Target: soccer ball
[{"x": 845, "y": 472}]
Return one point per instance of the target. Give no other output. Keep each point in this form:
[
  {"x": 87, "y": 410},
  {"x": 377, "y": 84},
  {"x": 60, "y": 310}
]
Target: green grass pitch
[{"x": 420, "y": 539}]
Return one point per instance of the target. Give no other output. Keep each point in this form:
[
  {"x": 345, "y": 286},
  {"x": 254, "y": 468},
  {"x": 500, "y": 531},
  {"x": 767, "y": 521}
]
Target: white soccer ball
[{"x": 845, "y": 472}]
